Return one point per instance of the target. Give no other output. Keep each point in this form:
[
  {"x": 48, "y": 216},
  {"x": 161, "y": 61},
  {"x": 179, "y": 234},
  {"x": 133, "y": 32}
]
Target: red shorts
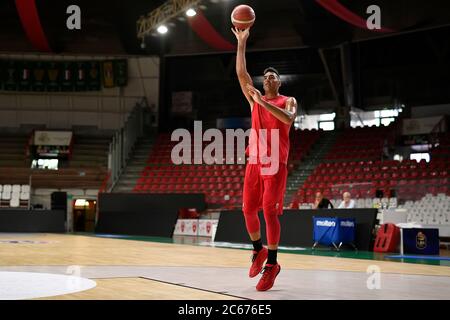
[{"x": 264, "y": 191}]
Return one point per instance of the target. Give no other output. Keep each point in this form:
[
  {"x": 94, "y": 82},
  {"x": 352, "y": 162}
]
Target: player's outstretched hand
[
  {"x": 255, "y": 93},
  {"x": 241, "y": 35}
]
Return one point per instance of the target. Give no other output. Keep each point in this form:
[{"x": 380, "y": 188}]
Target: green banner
[
  {"x": 121, "y": 73},
  {"x": 25, "y": 80},
  {"x": 68, "y": 76},
  {"x": 108, "y": 74},
  {"x": 80, "y": 76},
  {"x": 11, "y": 76},
  {"x": 93, "y": 76},
  {"x": 54, "y": 76},
  {"x": 39, "y": 76}
]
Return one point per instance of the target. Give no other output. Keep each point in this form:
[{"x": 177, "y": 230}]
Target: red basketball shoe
[
  {"x": 267, "y": 280},
  {"x": 258, "y": 260}
]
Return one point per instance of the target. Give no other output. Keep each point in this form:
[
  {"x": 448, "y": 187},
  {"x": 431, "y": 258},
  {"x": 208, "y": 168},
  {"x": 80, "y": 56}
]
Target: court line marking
[{"x": 195, "y": 288}]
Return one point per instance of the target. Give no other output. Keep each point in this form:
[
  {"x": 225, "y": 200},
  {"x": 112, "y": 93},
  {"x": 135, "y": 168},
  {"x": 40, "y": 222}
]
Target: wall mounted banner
[
  {"x": 39, "y": 76},
  {"x": 68, "y": 79},
  {"x": 420, "y": 125},
  {"x": 52, "y": 138},
  {"x": 108, "y": 74},
  {"x": 54, "y": 76},
  {"x": 121, "y": 72},
  {"x": 93, "y": 76},
  {"x": 66, "y": 76},
  {"x": 10, "y": 75},
  {"x": 25, "y": 76}
]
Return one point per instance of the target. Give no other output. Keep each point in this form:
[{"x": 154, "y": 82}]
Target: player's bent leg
[
  {"x": 272, "y": 267},
  {"x": 273, "y": 228},
  {"x": 252, "y": 222},
  {"x": 259, "y": 253},
  {"x": 252, "y": 198}
]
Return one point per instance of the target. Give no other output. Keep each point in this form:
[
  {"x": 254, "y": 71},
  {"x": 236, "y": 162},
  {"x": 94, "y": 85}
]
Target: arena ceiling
[
  {"x": 109, "y": 26},
  {"x": 302, "y": 38}
]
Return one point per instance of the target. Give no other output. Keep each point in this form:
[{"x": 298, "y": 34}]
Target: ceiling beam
[
  {"x": 165, "y": 12},
  {"x": 330, "y": 77}
]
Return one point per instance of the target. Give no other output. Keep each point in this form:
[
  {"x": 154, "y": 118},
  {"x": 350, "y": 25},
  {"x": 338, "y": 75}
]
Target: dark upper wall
[
  {"x": 411, "y": 69},
  {"x": 109, "y": 26}
]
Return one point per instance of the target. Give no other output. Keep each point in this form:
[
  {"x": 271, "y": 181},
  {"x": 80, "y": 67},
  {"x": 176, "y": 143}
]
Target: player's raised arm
[{"x": 241, "y": 65}]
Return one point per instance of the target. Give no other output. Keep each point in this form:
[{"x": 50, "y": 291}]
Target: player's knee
[
  {"x": 271, "y": 209},
  {"x": 249, "y": 210},
  {"x": 252, "y": 221},
  {"x": 250, "y": 214}
]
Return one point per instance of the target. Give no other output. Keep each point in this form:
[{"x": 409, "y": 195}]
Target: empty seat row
[
  {"x": 14, "y": 195},
  {"x": 16, "y": 188},
  {"x": 14, "y": 192}
]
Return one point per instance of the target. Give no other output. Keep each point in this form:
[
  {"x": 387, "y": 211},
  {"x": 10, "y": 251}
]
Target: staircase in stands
[
  {"x": 306, "y": 167},
  {"x": 135, "y": 165}
]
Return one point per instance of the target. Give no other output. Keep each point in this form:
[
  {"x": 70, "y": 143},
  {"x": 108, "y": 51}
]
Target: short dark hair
[{"x": 272, "y": 69}]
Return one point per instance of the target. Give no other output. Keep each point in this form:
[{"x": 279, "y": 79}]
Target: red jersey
[{"x": 263, "y": 119}]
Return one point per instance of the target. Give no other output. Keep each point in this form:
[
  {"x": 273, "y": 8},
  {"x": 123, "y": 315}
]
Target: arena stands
[
  {"x": 442, "y": 150},
  {"x": 90, "y": 151},
  {"x": 86, "y": 169},
  {"x": 221, "y": 183},
  {"x": 429, "y": 210},
  {"x": 14, "y": 196},
  {"x": 367, "y": 178},
  {"x": 361, "y": 144},
  {"x": 13, "y": 150},
  {"x": 408, "y": 179}
]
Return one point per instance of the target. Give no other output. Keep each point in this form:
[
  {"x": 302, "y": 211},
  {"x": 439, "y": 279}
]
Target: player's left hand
[{"x": 255, "y": 93}]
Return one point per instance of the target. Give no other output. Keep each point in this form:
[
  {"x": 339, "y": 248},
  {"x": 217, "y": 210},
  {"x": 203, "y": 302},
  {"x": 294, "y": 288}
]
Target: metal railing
[{"x": 122, "y": 145}]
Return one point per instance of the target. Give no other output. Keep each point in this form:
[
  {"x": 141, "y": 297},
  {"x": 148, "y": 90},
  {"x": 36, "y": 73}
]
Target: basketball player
[{"x": 272, "y": 112}]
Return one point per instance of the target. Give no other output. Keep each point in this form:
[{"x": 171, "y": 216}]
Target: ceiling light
[
  {"x": 191, "y": 12},
  {"x": 162, "y": 29}
]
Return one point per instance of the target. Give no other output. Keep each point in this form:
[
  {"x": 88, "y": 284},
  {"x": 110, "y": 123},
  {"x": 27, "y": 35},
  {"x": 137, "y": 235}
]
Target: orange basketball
[{"x": 243, "y": 17}]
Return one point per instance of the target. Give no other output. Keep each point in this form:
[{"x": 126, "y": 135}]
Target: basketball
[{"x": 243, "y": 17}]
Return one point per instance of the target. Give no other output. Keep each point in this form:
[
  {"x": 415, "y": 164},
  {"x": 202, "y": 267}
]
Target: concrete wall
[
  {"x": 43, "y": 196},
  {"x": 105, "y": 109}
]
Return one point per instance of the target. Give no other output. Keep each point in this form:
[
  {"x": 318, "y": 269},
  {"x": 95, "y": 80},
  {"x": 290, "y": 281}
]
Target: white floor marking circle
[{"x": 29, "y": 285}]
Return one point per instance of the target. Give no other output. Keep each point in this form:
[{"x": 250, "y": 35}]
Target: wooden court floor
[{"x": 77, "y": 250}]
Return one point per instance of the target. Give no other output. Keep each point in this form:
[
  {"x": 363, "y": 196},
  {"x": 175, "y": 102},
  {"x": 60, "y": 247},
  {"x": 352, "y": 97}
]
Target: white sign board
[
  {"x": 52, "y": 138},
  {"x": 419, "y": 125},
  {"x": 196, "y": 227}
]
